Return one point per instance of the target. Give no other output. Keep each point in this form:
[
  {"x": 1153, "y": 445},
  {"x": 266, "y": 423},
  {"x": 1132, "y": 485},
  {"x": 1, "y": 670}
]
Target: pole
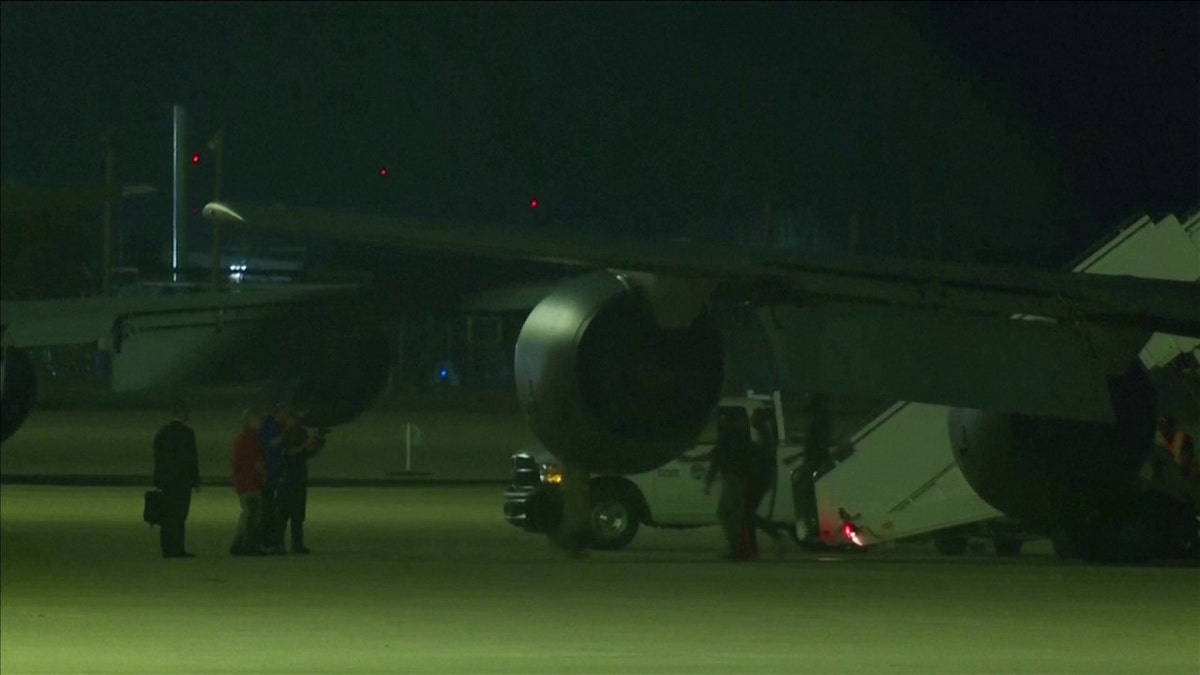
[
  {"x": 217, "y": 144},
  {"x": 408, "y": 446},
  {"x": 106, "y": 256},
  {"x": 179, "y": 193}
]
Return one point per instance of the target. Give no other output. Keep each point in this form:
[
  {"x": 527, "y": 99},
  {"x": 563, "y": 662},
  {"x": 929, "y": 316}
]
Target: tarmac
[
  {"x": 421, "y": 574},
  {"x": 430, "y": 579}
]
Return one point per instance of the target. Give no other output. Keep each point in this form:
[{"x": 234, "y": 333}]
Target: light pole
[{"x": 178, "y": 192}]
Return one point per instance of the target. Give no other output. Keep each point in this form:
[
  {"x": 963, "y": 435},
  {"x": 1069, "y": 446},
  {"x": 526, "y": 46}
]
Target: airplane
[
  {"x": 619, "y": 368},
  {"x": 597, "y": 358}
]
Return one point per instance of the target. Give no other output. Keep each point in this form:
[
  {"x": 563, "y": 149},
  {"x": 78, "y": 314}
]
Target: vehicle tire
[
  {"x": 614, "y": 518},
  {"x": 950, "y": 544},
  {"x": 1007, "y": 546}
]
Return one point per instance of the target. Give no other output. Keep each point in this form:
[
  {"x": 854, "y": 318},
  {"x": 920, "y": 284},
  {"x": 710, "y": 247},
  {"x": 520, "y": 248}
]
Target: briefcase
[{"x": 152, "y": 511}]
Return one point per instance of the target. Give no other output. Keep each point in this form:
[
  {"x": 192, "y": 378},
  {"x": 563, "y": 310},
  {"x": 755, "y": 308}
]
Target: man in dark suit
[
  {"x": 176, "y": 473},
  {"x": 816, "y": 458},
  {"x": 734, "y": 460}
]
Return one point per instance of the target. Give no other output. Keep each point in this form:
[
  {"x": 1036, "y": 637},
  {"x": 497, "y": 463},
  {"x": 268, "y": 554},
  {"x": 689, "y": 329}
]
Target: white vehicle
[{"x": 671, "y": 496}]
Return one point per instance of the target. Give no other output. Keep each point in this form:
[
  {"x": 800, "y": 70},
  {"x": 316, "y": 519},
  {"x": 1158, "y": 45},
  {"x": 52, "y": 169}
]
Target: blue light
[{"x": 443, "y": 373}]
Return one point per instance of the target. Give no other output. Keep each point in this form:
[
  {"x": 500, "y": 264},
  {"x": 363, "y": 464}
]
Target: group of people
[
  {"x": 744, "y": 458},
  {"x": 270, "y": 476}
]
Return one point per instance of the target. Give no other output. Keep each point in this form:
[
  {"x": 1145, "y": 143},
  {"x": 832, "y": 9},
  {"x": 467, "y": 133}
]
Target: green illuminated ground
[{"x": 432, "y": 580}]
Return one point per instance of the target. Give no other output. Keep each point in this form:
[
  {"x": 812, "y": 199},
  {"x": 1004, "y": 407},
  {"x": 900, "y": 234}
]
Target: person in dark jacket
[
  {"x": 273, "y": 459},
  {"x": 816, "y": 456},
  {"x": 176, "y": 474},
  {"x": 249, "y": 475},
  {"x": 765, "y": 444},
  {"x": 296, "y": 446},
  {"x": 734, "y": 459}
]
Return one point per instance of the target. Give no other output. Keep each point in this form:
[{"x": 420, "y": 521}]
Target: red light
[
  {"x": 533, "y": 203},
  {"x": 195, "y": 158},
  {"x": 848, "y": 530},
  {"x": 383, "y": 172}
]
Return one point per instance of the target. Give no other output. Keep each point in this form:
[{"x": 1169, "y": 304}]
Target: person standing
[
  {"x": 249, "y": 476},
  {"x": 176, "y": 474},
  {"x": 296, "y": 446},
  {"x": 1173, "y": 439},
  {"x": 273, "y": 460},
  {"x": 816, "y": 456},
  {"x": 762, "y": 478},
  {"x": 733, "y": 459}
]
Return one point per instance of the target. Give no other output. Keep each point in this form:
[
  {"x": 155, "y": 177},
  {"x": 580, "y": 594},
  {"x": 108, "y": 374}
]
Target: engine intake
[{"x": 604, "y": 385}]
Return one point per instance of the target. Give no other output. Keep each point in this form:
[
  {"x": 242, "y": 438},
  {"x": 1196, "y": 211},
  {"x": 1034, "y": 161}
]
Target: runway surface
[{"x": 430, "y": 580}]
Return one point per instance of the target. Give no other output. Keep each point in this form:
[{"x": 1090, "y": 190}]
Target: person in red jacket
[{"x": 249, "y": 475}]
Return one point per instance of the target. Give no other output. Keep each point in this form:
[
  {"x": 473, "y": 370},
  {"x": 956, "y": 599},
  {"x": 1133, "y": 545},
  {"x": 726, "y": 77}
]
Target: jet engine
[
  {"x": 18, "y": 390},
  {"x": 605, "y": 385},
  {"x": 1077, "y": 481},
  {"x": 342, "y": 384},
  {"x": 331, "y": 362}
]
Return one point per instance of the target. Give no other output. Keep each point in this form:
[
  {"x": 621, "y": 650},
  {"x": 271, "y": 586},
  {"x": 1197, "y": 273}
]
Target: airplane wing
[{"x": 775, "y": 277}]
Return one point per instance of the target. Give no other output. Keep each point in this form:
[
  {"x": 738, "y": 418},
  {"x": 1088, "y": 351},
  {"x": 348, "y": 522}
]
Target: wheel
[
  {"x": 1007, "y": 546},
  {"x": 950, "y": 544},
  {"x": 614, "y": 517}
]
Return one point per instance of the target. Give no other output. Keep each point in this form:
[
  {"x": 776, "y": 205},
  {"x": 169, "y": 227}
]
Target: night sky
[{"x": 956, "y": 130}]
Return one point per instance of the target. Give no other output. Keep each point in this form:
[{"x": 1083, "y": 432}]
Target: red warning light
[
  {"x": 383, "y": 172},
  {"x": 533, "y": 203},
  {"x": 195, "y": 158}
]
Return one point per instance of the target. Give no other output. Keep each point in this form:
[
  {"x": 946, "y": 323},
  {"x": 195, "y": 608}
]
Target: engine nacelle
[
  {"x": 1077, "y": 481},
  {"x": 18, "y": 390},
  {"x": 330, "y": 361},
  {"x": 342, "y": 384},
  {"x": 605, "y": 386}
]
